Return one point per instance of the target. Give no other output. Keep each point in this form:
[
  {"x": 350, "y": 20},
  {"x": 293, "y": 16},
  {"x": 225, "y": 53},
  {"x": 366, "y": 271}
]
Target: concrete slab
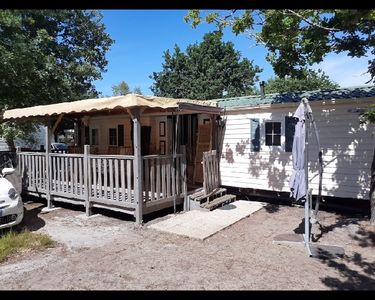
[
  {"x": 288, "y": 238},
  {"x": 326, "y": 251},
  {"x": 46, "y": 210},
  {"x": 203, "y": 224},
  {"x": 84, "y": 217}
]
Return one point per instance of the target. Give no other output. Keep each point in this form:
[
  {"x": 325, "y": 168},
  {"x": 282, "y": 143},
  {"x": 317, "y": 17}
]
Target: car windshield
[{"x": 60, "y": 146}]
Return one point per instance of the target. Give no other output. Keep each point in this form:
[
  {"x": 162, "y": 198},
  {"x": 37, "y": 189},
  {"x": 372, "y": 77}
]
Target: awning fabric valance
[{"x": 110, "y": 103}]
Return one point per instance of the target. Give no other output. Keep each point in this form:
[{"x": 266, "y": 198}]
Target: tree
[
  {"x": 137, "y": 90},
  {"x": 298, "y": 38},
  {"x": 120, "y": 89},
  {"x": 312, "y": 80},
  {"x": 48, "y": 56},
  {"x": 208, "y": 70}
]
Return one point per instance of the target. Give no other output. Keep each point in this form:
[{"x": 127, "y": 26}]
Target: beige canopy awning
[{"x": 111, "y": 104}]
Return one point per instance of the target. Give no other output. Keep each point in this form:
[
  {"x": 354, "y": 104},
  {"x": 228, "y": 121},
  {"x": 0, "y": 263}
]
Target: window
[
  {"x": 113, "y": 136},
  {"x": 94, "y": 136},
  {"x": 273, "y": 133},
  {"x": 161, "y": 128}
]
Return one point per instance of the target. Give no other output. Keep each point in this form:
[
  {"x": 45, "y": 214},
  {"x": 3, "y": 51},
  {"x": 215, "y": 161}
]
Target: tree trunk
[
  {"x": 11, "y": 145},
  {"x": 372, "y": 192}
]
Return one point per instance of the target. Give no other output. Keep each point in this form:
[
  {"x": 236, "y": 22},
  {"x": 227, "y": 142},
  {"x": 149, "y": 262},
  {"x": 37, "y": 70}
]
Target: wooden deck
[{"x": 105, "y": 180}]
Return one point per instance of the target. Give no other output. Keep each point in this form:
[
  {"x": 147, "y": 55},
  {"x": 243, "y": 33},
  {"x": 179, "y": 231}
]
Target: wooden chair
[
  {"x": 75, "y": 149},
  {"x": 114, "y": 150},
  {"x": 128, "y": 150},
  {"x": 94, "y": 150},
  {"x": 123, "y": 150}
]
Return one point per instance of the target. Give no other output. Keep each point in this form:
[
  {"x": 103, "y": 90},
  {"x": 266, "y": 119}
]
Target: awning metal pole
[
  {"x": 320, "y": 156},
  {"x": 307, "y": 215},
  {"x": 308, "y": 195},
  {"x": 174, "y": 155}
]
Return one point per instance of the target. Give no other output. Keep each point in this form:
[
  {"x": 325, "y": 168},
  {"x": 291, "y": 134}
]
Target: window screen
[
  {"x": 112, "y": 136},
  {"x": 273, "y": 133}
]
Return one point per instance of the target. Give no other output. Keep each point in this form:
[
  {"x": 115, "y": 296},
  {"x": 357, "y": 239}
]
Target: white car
[{"x": 11, "y": 205}]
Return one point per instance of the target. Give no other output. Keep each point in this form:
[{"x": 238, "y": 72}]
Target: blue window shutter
[
  {"x": 255, "y": 135},
  {"x": 290, "y": 123}
]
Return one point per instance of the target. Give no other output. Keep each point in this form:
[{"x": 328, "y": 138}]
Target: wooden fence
[
  {"x": 164, "y": 179},
  {"x": 108, "y": 180},
  {"x": 210, "y": 171}
]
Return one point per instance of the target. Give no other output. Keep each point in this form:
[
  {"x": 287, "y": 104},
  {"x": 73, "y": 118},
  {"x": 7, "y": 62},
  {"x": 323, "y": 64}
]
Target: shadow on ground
[
  {"x": 352, "y": 279},
  {"x": 33, "y": 221},
  {"x": 356, "y": 272}
]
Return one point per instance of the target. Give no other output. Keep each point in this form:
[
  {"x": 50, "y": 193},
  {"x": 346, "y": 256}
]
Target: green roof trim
[{"x": 336, "y": 94}]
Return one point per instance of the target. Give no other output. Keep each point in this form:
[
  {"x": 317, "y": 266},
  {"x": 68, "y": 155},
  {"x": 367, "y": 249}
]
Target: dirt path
[{"x": 109, "y": 253}]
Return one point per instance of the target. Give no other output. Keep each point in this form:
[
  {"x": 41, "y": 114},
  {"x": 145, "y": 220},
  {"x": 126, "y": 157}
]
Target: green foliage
[
  {"x": 368, "y": 116},
  {"x": 49, "y": 56},
  {"x": 205, "y": 71},
  {"x": 13, "y": 242},
  {"x": 19, "y": 130},
  {"x": 296, "y": 39},
  {"x": 120, "y": 89},
  {"x": 312, "y": 80},
  {"x": 137, "y": 90}
]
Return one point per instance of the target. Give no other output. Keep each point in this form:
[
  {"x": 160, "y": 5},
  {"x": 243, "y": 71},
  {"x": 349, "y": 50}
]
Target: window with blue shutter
[
  {"x": 290, "y": 123},
  {"x": 254, "y": 135},
  {"x": 273, "y": 133}
]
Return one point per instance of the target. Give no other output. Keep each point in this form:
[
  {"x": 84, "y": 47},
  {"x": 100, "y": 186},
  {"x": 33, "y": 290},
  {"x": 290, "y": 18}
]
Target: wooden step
[
  {"x": 201, "y": 197},
  {"x": 196, "y": 195},
  {"x": 220, "y": 201}
]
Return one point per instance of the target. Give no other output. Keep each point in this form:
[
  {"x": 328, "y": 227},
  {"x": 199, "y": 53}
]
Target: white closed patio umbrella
[{"x": 297, "y": 183}]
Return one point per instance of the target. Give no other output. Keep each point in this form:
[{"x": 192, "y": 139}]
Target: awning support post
[
  {"x": 48, "y": 166},
  {"x": 138, "y": 180}
]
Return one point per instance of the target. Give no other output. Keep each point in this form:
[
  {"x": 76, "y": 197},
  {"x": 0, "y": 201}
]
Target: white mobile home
[
  {"x": 132, "y": 153},
  {"x": 259, "y": 137}
]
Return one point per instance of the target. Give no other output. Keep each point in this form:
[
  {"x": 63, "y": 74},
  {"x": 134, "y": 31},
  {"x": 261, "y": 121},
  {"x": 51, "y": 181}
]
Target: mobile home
[
  {"x": 132, "y": 152},
  {"x": 258, "y": 141}
]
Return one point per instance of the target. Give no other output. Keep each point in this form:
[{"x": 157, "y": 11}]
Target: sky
[{"x": 141, "y": 37}]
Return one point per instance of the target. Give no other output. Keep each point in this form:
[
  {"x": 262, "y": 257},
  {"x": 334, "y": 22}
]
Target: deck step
[
  {"x": 220, "y": 201},
  {"x": 201, "y": 197}
]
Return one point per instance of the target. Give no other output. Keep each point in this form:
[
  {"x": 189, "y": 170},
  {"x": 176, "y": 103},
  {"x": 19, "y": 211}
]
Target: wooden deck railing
[
  {"x": 66, "y": 175},
  {"x": 210, "y": 171},
  {"x": 32, "y": 166},
  {"x": 163, "y": 177},
  {"x": 111, "y": 178},
  {"x": 106, "y": 180}
]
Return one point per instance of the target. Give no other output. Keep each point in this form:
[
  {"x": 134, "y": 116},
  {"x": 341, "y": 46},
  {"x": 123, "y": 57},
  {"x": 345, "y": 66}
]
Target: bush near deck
[{"x": 13, "y": 242}]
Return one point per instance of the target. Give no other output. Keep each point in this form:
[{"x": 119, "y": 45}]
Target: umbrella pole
[
  {"x": 314, "y": 250},
  {"x": 306, "y": 235}
]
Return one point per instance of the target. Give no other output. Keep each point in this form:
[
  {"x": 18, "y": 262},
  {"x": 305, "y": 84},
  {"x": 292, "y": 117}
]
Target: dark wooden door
[{"x": 145, "y": 140}]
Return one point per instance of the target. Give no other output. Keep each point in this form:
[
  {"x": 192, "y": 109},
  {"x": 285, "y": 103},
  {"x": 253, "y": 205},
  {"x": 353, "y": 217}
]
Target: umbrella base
[
  {"x": 326, "y": 251},
  {"x": 315, "y": 250},
  {"x": 288, "y": 238}
]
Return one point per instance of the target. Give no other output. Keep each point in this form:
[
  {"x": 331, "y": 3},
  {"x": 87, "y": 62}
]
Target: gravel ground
[{"x": 113, "y": 253}]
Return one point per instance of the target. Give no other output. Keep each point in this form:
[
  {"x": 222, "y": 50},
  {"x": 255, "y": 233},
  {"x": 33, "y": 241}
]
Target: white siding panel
[{"x": 347, "y": 151}]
